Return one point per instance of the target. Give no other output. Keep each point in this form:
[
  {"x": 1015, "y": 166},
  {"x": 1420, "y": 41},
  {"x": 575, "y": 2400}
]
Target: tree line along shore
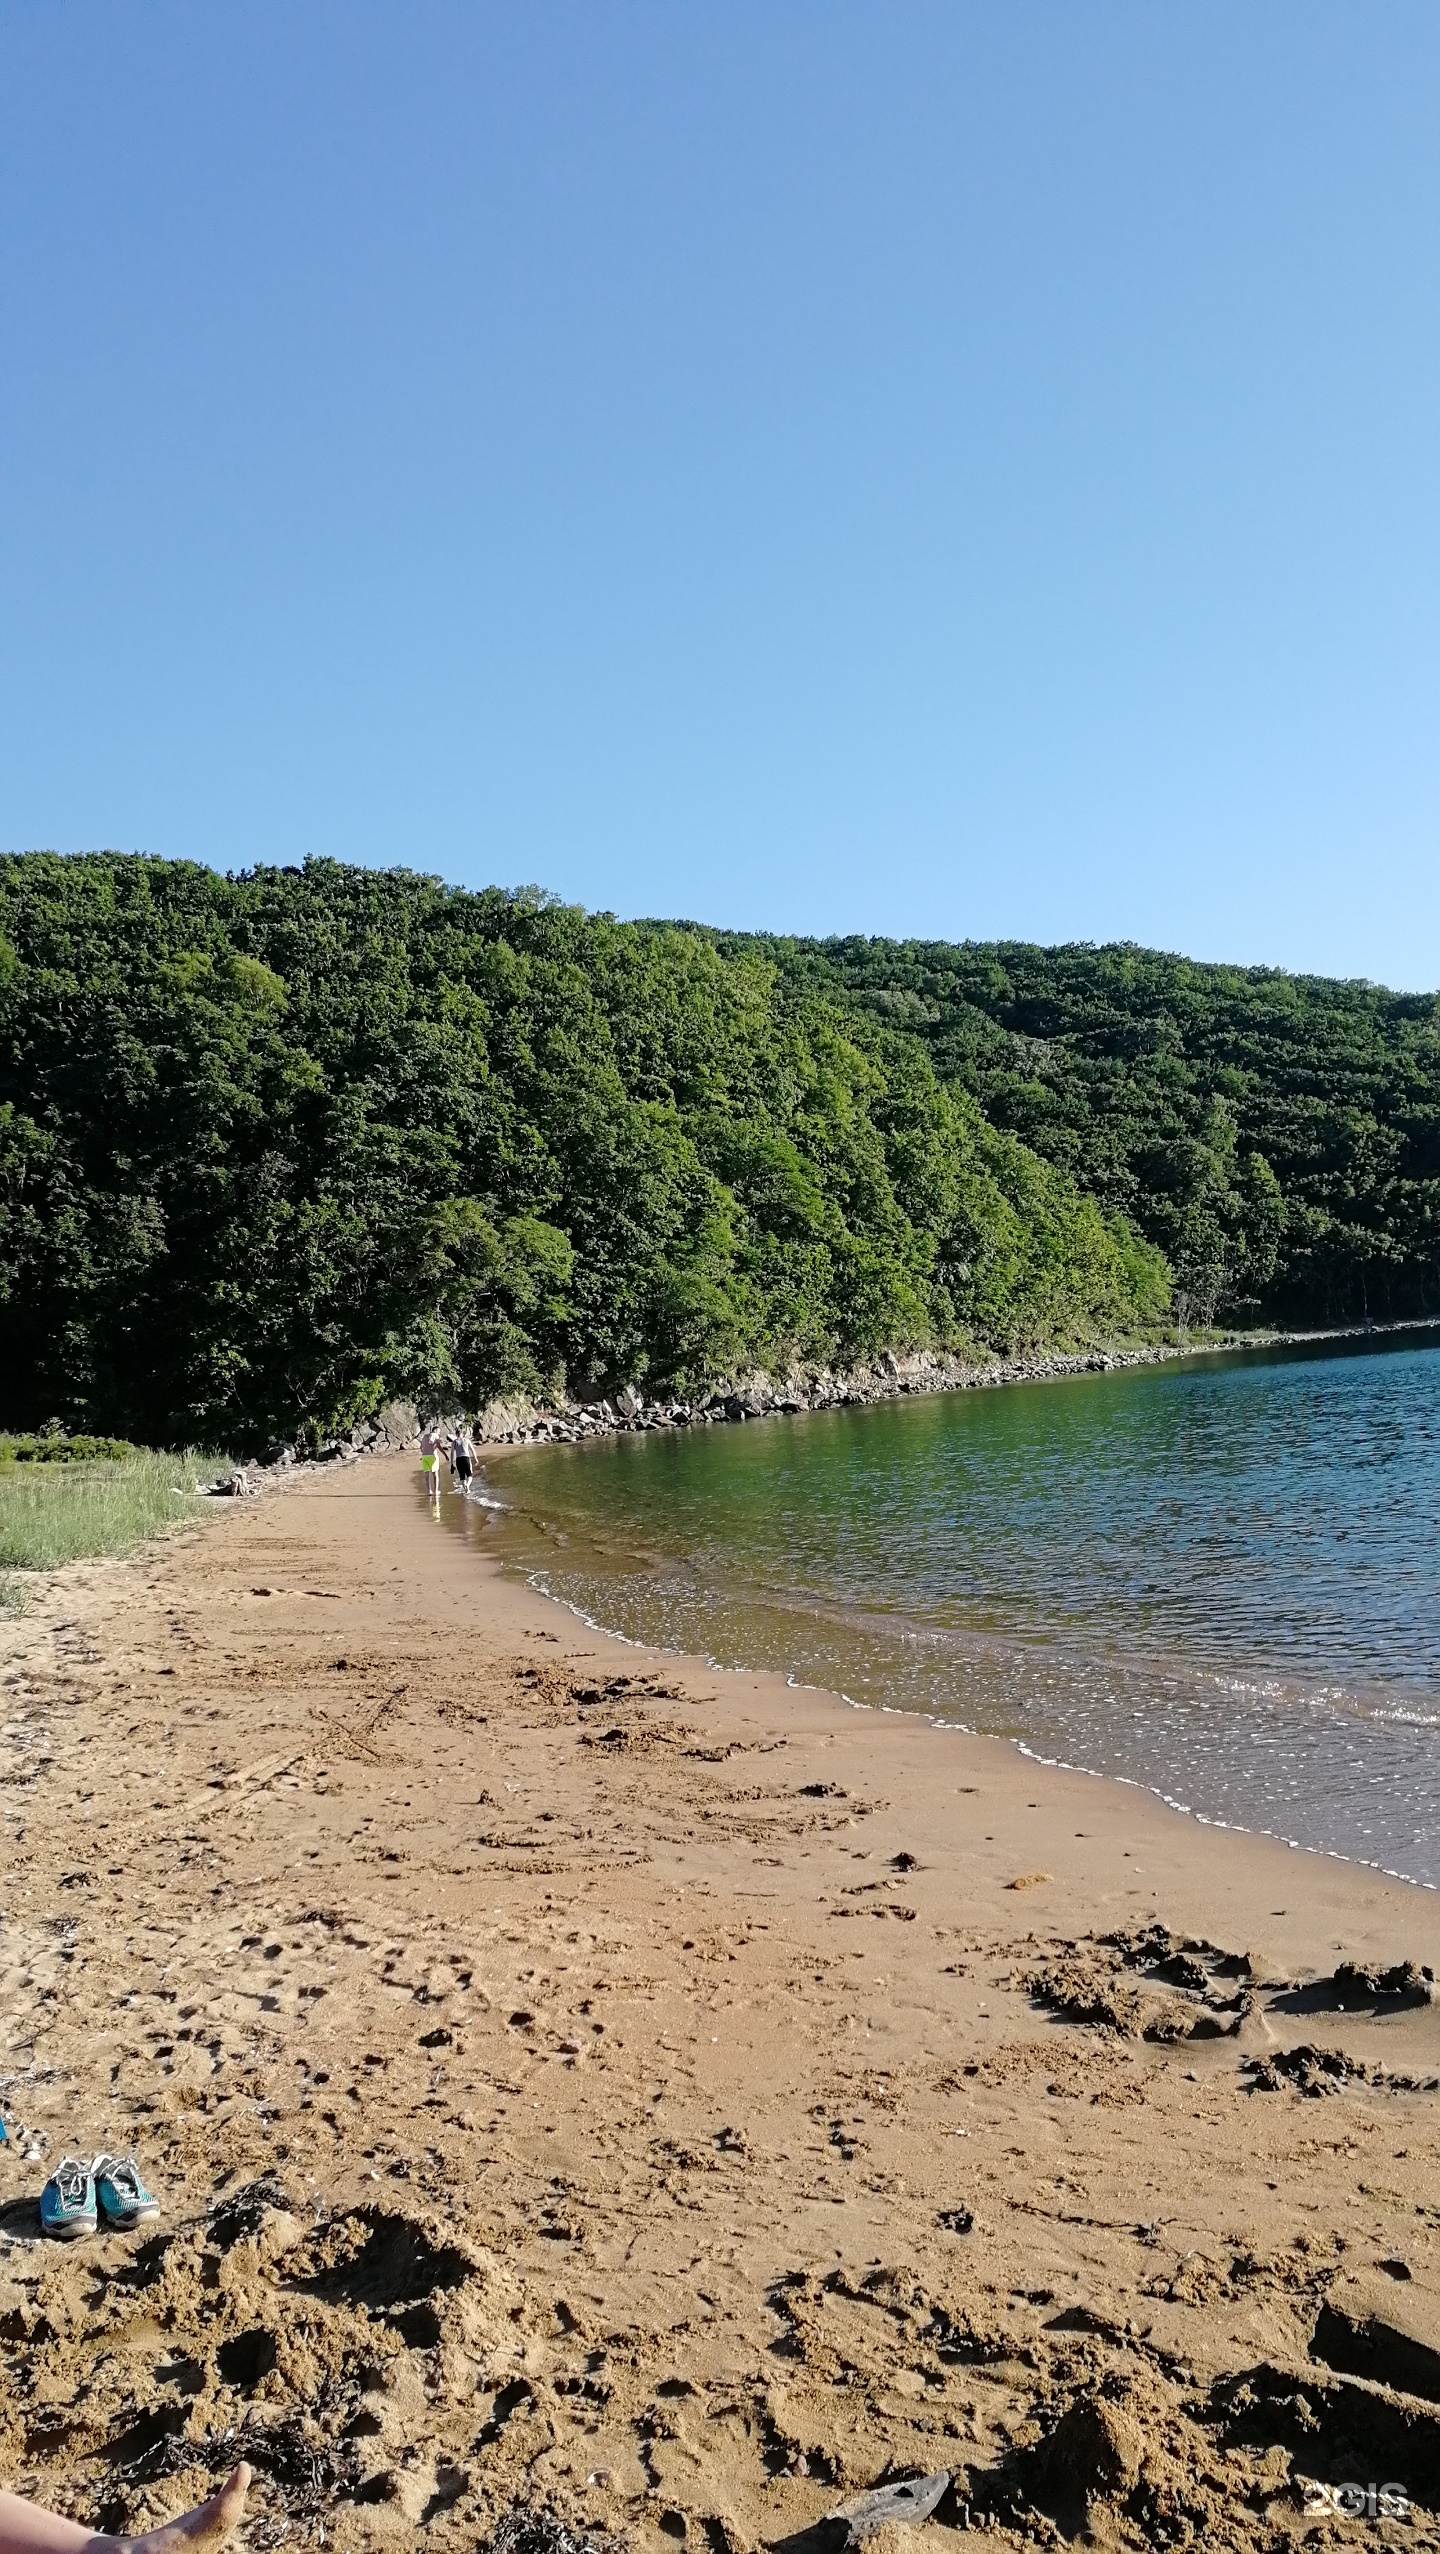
[{"x": 278, "y": 1150}]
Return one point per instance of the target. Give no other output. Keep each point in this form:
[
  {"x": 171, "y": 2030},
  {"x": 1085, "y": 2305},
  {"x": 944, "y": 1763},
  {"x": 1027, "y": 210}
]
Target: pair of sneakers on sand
[{"x": 77, "y": 2196}]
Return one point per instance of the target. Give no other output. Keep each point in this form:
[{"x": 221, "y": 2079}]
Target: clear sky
[{"x": 914, "y": 467}]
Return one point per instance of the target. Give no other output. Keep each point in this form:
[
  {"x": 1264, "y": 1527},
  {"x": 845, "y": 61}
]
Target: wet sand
[{"x": 576, "y": 2076}]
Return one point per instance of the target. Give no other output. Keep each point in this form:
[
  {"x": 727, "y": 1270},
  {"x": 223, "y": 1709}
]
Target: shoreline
[
  {"x": 922, "y": 1373},
  {"x": 695, "y": 1668},
  {"x": 518, "y": 1572},
  {"x": 580, "y": 2077},
  {"x": 700, "y": 1663}
]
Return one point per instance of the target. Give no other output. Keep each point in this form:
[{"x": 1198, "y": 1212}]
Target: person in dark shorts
[{"x": 462, "y": 1456}]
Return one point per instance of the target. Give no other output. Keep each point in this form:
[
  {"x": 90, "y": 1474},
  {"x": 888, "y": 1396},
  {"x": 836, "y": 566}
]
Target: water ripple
[{"x": 1220, "y": 1581}]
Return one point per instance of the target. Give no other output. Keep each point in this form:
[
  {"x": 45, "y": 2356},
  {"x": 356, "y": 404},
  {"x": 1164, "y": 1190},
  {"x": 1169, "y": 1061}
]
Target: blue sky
[{"x": 948, "y": 469}]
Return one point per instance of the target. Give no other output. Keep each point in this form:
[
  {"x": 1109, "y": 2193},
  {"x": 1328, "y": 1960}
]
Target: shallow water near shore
[{"x": 1219, "y": 1579}]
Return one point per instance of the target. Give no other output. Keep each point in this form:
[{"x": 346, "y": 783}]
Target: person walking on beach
[
  {"x": 432, "y": 1446},
  {"x": 462, "y": 1458}
]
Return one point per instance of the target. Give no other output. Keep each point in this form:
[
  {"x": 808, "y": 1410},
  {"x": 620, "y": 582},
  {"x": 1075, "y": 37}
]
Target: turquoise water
[{"x": 1219, "y": 1580}]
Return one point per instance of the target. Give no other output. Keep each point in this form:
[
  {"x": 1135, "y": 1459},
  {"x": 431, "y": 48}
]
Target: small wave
[{"x": 1218, "y": 1589}]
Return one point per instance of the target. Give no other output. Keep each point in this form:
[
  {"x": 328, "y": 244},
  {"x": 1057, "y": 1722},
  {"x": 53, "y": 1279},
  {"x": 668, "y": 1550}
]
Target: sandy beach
[{"x": 575, "y": 2076}]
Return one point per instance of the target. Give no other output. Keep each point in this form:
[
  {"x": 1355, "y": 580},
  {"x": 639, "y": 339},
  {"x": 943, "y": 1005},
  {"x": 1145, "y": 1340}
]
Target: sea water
[{"x": 1217, "y": 1578}]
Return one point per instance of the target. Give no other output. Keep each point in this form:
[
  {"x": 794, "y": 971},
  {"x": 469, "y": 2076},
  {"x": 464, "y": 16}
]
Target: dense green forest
[
  {"x": 276, "y": 1147},
  {"x": 1277, "y": 1136}
]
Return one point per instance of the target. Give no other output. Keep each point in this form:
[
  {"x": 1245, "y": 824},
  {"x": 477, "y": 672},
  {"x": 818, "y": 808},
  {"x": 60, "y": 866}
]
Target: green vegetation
[
  {"x": 51, "y": 1513},
  {"x": 55, "y": 1447},
  {"x": 275, "y": 1148},
  {"x": 278, "y": 1147},
  {"x": 1277, "y": 1136}
]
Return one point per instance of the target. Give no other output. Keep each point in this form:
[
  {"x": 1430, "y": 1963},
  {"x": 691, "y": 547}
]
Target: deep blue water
[{"x": 1221, "y": 1580}]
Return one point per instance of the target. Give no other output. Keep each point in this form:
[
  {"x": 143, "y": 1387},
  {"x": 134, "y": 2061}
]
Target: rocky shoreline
[
  {"x": 760, "y": 1396},
  {"x": 756, "y": 1396}
]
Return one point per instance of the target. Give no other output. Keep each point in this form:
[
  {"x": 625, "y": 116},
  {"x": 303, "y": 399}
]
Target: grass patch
[
  {"x": 56, "y": 1512},
  {"x": 53, "y": 1446}
]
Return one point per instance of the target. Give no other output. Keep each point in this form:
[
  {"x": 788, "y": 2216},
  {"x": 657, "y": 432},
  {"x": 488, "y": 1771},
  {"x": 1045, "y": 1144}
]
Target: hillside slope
[
  {"x": 1278, "y": 1136},
  {"x": 278, "y": 1146}
]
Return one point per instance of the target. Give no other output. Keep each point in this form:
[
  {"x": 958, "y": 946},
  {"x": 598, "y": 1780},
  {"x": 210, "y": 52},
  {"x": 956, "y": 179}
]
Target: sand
[{"x": 574, "y": 2077}]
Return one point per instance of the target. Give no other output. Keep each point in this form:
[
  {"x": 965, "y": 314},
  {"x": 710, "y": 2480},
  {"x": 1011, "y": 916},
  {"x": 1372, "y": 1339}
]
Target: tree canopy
[
  {"x": 276, "y": 1147},
  {"x": 1277, "y": 1136}
]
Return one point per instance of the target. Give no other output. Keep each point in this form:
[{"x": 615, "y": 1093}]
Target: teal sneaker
[
  {"x": 123, "y": 2197},
  {"x": 67, "y": 2202}
]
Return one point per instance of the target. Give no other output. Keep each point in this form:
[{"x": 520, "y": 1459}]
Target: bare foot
[{"x": 208, "y": 2525}]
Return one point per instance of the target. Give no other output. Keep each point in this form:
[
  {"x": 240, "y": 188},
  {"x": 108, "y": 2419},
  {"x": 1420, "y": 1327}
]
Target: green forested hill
[
  {"x": 276, "y": 1147},
  {"x": 1278, "y": 1136}
]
